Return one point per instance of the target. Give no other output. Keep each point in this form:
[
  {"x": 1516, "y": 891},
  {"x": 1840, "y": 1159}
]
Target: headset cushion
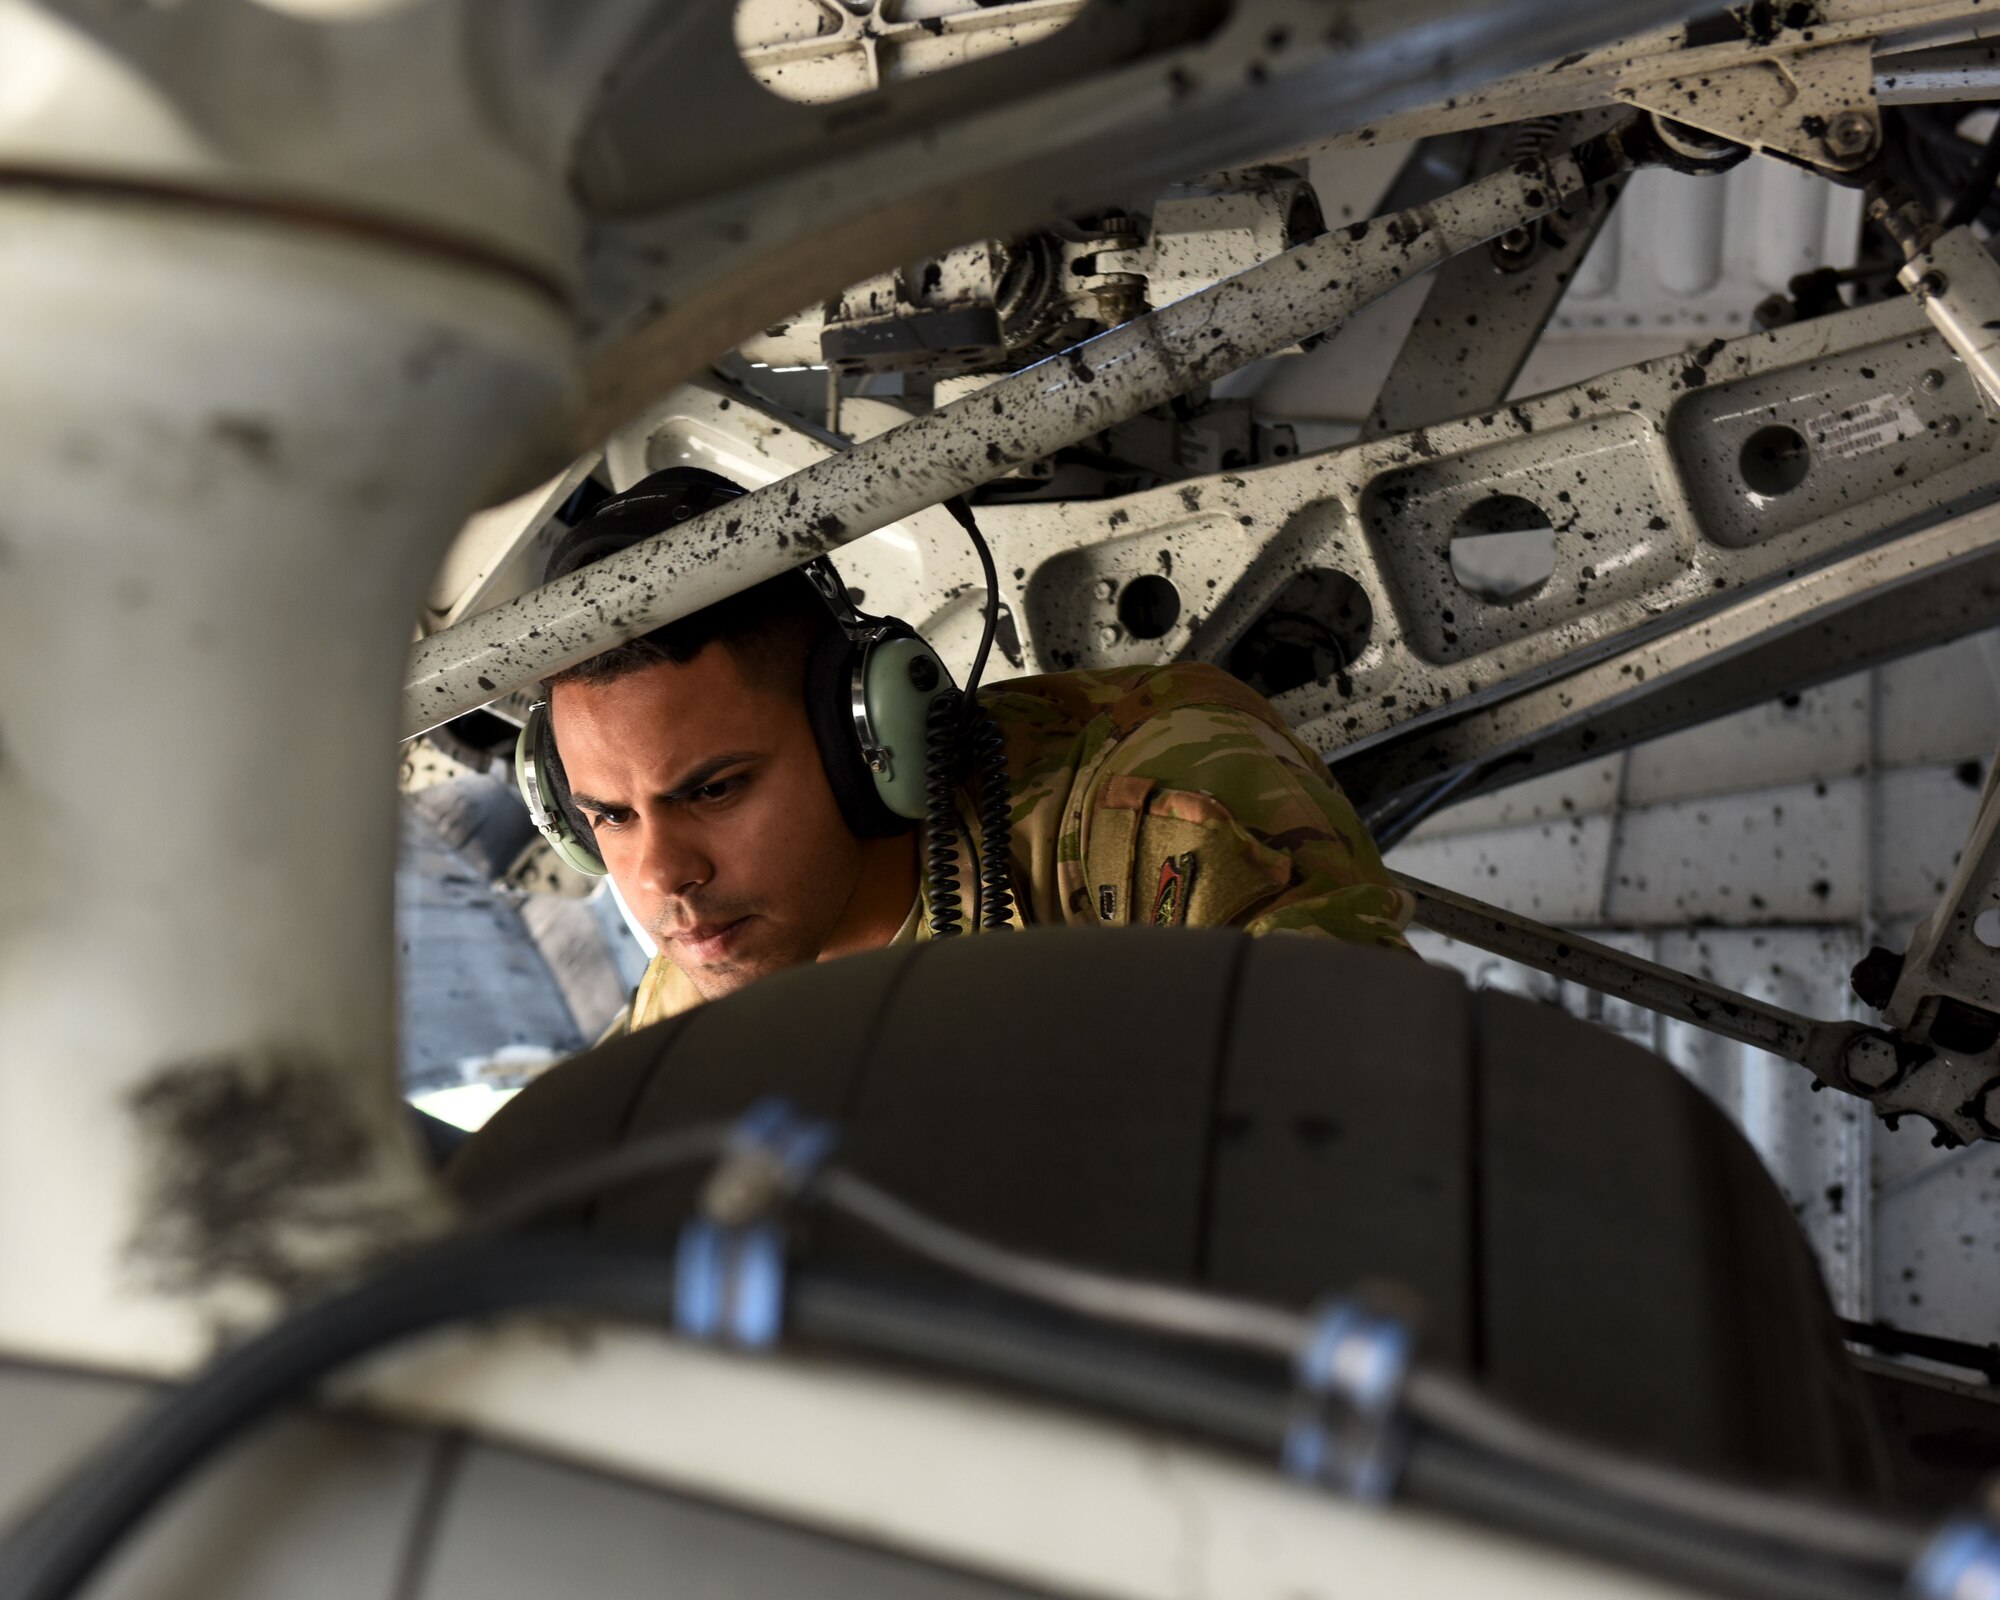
[{"x": 830, "y": 708}]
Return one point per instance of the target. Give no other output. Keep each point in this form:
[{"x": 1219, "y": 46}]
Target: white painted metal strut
[
  {"x": 1062, "y": 400},
  {"x": 198, "y": 1102}
]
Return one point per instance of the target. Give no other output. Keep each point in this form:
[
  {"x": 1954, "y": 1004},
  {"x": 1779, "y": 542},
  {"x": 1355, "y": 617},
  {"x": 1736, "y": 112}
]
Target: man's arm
[{"x": 1209, "y": 814}]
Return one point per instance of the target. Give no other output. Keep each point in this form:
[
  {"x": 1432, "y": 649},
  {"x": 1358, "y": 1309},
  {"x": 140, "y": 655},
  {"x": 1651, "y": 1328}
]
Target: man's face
[{"x": 711, "y": 808}]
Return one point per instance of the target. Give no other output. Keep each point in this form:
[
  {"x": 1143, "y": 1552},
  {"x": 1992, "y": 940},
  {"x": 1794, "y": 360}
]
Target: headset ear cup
[
  {"x": 580, "y": 849},
  {"x": 830, "y": 709},
  {"x": 580, "y": 831}
]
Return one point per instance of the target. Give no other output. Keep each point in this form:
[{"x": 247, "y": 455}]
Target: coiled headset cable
[
  {"x": 942, "y": 747},
  {"x": 961, "y": 737}
]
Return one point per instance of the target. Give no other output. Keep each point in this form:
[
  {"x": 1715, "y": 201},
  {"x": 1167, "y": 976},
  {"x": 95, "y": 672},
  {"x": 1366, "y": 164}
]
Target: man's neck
[{"x": 882, "y": 897}]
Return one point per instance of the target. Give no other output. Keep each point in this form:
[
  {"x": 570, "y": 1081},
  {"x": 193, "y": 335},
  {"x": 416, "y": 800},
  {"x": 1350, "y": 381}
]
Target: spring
[
  {"x": 996, "y": 829},
  {"x": 1533, "y": 138},
  {"x": 941, "y": 754}
]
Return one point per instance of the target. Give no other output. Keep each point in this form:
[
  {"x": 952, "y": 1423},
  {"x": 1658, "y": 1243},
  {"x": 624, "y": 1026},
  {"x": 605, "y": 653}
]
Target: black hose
[
  {"x": 1978, "y": 186},
  {"x": 1443, "y": 1473},
  {"x": 941, "y": 761},
  {"x": 1077, "y": 1359},
  {"x": 52, "y": 1551},
  {"x": 1248, "y": 1404},
  {"x": 1244, "y": 1402}
]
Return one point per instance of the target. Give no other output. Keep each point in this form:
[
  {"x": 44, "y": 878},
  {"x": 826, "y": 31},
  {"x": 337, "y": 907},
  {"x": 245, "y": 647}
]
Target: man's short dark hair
[{"x": 770, "y": 628}]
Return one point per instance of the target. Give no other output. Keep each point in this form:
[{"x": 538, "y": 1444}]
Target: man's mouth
[{"x": 709, "y": 942}]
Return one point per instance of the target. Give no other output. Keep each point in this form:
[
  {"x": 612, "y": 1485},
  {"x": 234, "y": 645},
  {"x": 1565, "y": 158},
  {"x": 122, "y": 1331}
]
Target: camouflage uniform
[{"x": 1167, "y": 795}]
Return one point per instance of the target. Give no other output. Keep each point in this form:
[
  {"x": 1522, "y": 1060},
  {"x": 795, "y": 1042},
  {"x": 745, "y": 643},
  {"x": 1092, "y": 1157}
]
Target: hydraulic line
[
  {"x": 533, "y": 1202},
  {"x": 1454, "y": 1408},
  {"x": 54, "y": 1551},
  {"x": 1157, "y": 1308},
  {"x": 50, "y": 1553},
  {"x": 1466, "y": 1454},
  {"x": 1445, "y": 1473},
  {"x": 1074, "y": 1358}
]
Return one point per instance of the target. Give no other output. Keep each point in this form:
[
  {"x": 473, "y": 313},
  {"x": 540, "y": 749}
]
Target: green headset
[{"x": 870, "y": 687}]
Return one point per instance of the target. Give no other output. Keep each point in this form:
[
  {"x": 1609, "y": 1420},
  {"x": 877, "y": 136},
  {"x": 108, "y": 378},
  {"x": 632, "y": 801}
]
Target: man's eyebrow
[
  {"x": 707, "y": 772},
  {"x": 691, "y": 780}
]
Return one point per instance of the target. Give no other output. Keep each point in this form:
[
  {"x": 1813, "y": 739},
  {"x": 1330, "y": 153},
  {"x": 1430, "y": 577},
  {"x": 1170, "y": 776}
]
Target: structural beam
[{"x": 957, "y": 447}]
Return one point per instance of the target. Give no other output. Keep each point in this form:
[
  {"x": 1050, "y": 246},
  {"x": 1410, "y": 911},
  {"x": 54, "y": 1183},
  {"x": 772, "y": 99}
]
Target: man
[{"x": 1168, "y": 796}]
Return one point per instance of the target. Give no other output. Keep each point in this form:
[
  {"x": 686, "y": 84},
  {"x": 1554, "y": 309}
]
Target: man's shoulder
[{"x": 1124, "y": 697}]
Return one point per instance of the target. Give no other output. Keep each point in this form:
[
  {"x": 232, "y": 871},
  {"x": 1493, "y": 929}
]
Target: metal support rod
[
  {"x": 1826, "y": 1049},
  {"x": 1031, "y": 413}
]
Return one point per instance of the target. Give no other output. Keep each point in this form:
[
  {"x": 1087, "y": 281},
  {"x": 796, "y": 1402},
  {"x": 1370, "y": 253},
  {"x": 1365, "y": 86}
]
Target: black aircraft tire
[{"x": 1283, "y": 1117}]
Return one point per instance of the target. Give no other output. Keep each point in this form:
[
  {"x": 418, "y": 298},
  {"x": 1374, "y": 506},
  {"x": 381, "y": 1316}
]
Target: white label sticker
[{"x": 1868, "y": 426}]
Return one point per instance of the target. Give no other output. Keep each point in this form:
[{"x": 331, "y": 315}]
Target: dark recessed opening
[
  {"x": 1775, "y": 460},
  {"x": 1314, "y": 628},
  {"x": 1149, "y": 606},
  {"x": 1503, "y": 548}
]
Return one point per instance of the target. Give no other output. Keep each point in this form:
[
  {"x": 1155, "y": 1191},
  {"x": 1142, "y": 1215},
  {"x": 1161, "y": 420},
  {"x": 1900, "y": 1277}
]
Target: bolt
[
  {"x": 1107, "y": 588},
  {"x": 1852, "y": 135},
  {"x": 1107, "y": 636},
  {"x": 1949, "y": 427},
  {"x": 1933, "y": 380},
  {"x": 1871, "y": 1061},
  {"x": 1933, "y": 284}
]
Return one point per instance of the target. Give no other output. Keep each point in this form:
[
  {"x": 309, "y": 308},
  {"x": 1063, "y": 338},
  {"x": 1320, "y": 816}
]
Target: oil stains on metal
[
  {"x": 256, "y": 1169},
  {"x": 252, "y": 438}
]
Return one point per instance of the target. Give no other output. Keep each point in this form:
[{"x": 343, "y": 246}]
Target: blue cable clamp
[
  {"x": 1961, "y": 1563},
  {"x": 729, "y": 1264},
  {"x": 729, "y": 1283},
  {"x": 1347, "y": 1432}
]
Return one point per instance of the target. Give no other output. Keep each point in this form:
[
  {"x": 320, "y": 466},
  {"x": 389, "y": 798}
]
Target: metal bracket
[
  {"x": 1487, "y": 308},
  {"x": 1815, "y": 106},
  {"x": 1957, "y": 282}
]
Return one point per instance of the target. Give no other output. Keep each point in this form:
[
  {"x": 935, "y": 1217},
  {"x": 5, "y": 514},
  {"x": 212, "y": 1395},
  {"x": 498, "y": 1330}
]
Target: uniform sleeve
[{"x": 1207, "y": 816}]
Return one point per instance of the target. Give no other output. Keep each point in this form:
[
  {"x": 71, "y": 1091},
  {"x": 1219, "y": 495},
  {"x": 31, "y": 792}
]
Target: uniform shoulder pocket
[{"x": 1162, "y": 856}]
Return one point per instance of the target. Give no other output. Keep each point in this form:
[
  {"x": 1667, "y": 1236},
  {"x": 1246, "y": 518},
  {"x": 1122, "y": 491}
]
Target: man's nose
[{"x": 672, "y": 861}]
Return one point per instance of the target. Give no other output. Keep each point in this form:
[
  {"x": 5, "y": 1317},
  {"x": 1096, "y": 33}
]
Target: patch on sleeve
[{"x": 1170, "y": 898}]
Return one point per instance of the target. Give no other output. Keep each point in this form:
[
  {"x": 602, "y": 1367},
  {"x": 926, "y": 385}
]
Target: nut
[
  {"x": 1852, "y": 135},
  {"x": 1107, "y": 588},
  {"x": 1108, "y": 635},
  {"x": 1515, "y": 248},
  {"x": 1871, "y": 1061}
]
